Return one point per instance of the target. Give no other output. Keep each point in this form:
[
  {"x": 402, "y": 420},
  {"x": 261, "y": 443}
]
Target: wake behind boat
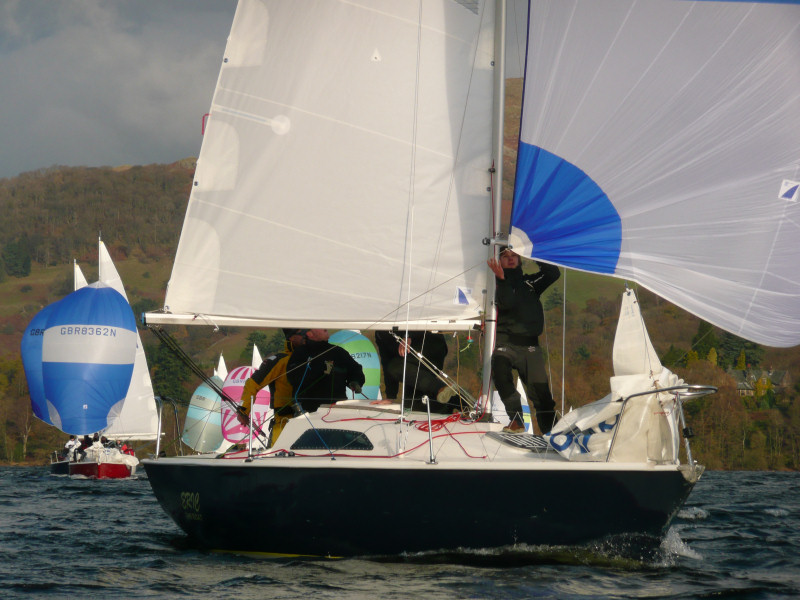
[{"x": 367, "y": 158}]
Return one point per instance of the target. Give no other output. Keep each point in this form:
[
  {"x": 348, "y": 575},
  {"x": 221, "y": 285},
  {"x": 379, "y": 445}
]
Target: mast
[{"x": 497, "y": 153}]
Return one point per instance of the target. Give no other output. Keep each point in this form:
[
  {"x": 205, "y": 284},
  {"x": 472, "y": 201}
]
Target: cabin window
[{"x": 332, "y": 439}]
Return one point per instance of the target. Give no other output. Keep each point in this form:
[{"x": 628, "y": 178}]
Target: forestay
[{"x": 660, "y": 143}]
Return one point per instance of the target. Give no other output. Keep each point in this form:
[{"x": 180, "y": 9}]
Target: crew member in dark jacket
[
  {"x": 520, "y": 321},
  {"x": 321, "y": 372},
  {"x": 272, "y": 372},
  {"x": 420, "y": 380}
]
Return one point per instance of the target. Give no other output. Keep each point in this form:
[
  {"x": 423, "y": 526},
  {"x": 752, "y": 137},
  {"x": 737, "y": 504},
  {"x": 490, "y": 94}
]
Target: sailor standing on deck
[{"x": 520, "y": 321}]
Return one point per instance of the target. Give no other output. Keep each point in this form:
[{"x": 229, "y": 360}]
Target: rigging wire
[
  {"x": 305, "y": 413},
  {"x": 409, "y": 241},
  {"x": 169, "y": 342},
  {"x": 441, "y": 375},
  {"x": 564, "y": 346}
]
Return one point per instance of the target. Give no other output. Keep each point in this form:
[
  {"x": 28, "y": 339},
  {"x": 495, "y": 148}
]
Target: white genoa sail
[
  {"x": 660, "y": 143},
  {"x": 343, "y": 190}
]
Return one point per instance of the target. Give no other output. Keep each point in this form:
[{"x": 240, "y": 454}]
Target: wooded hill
[{"x": 54, "y": 216}]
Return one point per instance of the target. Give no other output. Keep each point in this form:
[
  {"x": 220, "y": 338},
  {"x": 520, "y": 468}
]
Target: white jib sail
[
  {"x": 137, "y": 418},
  {"x": 645, "y": 428},
  {"x": 345, "y": 148}
]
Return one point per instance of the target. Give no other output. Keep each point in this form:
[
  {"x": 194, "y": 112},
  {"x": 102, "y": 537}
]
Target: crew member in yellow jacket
[{"x": 272, "y": 372}]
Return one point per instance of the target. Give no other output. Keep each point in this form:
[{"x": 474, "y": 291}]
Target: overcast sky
[
  {"x": 110, "y": 82},
  {"x": 106, "y": 82}
]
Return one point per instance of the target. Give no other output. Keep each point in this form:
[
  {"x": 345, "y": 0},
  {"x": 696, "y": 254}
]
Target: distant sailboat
[
  {"x": 221, "y": 369},
  {"x": 137, "y": 417},
  {"x": 88, "y": 353},
  {"x": 202, "y": 429},
  {"x": 365, "y": 139},
  {"x": 79, "y": 379},
  {"x": 232, "y": 430},
  {"x": 79, "y": 280}
]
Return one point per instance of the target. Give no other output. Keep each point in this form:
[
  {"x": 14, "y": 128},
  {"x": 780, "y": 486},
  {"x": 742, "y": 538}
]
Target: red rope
[{"x": 436, "y": 425}]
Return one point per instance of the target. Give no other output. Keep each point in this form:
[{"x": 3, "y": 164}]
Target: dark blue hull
[
  {"x": 364, "y": 511},
  {"x": 60, "y": 467}
]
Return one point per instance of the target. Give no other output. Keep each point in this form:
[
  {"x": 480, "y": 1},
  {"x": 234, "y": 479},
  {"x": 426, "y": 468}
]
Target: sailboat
[
  {"x": 122, "y": 408},
  {"x": 202, "y": 429},
  {"x": 232, "y": 430},
  {"x": 660, "y": 144},
  {"x": 137, "y": 419}
]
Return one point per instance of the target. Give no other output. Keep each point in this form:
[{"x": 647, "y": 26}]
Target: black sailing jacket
[{"x": 520, "y": 316}]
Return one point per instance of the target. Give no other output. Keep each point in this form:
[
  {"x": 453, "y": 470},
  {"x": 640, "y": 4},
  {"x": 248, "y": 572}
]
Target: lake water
[{"x": 738, "y": 536}]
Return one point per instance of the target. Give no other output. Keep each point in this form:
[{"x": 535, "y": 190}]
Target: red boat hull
[{"x": 93, "y": 470}]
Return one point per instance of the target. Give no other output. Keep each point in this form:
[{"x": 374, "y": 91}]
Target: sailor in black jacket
[
  {"x": 520, "y": 321},
  {"x": 398, "y": 363},
  {"x": 320, "y": 372}
]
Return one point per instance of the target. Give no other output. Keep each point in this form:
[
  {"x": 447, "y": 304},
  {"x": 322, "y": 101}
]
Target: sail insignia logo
[
  {"x": 462, "y": 296},
  {"x": 790, "y": 190}
]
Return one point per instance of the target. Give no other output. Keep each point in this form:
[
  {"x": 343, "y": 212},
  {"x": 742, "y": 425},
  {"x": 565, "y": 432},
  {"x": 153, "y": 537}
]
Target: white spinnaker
[{"x": 687, "y": 116}]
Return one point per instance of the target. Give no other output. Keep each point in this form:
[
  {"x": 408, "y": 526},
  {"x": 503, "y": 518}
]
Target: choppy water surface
[{"x": 738, "y": 536}]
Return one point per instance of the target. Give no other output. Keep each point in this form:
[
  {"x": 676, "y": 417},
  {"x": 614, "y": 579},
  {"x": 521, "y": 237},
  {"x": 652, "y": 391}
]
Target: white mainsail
[
  {"x": 137, "y": 417},
  {"x": 355, "y": 171},
  {"x": 78, "y": 279},
  {"x": 660, "y": 143},
  {"x": 221, "y": 369}
]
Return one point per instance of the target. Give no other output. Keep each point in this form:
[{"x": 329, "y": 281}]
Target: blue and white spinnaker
[
  {"x": 660, "y": 143},
  {"x": 88, "y": 350},
  {"x": 31, "y": 350}
]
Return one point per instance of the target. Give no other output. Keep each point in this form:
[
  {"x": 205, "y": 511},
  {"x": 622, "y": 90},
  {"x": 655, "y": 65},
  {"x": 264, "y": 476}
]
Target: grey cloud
[{"x": 90, "y": 82}]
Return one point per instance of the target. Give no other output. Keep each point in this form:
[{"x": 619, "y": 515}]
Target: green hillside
[{"x": 55, "y": 215}]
